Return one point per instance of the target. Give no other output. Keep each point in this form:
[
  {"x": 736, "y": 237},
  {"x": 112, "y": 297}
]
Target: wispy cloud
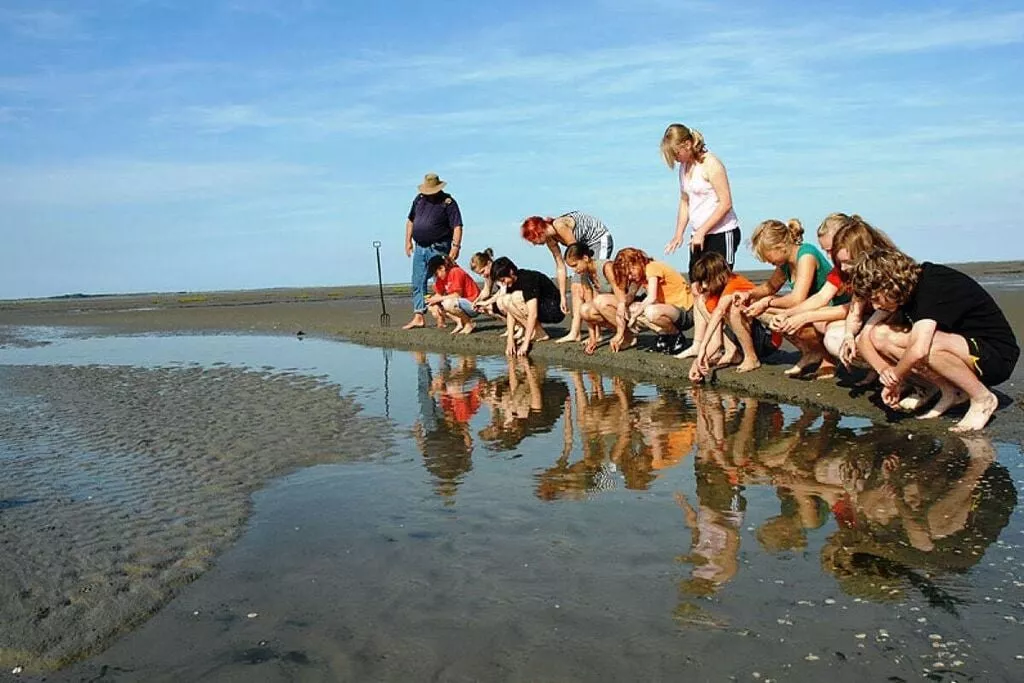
[{"x": 43, "y": 24}]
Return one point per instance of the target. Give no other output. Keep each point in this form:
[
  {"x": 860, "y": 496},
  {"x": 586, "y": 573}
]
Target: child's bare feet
[
  {"x": 978, "y": 414},
  {"x": 748, "y": 365},
  {"x": 690, "y": 351},
  {"x": 728, "y": 359},
  {"x": 950, "y": 397},
  {"x": 569, "y": 338},
  {"x": 801, "y": 366},
  {"x": 467, "y": 328},
  {"x": 458, "y": 328},
  {"x": 917, "y": 397},
  {"x": 827, "y": 370}
]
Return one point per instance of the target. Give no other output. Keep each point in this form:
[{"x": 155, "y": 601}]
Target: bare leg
[
  {"x": 435, "y": 310},
  {"x": 577, "y": 304},
  {"x": 740, "y": 325},
  {"x": 700, "y": 323}
]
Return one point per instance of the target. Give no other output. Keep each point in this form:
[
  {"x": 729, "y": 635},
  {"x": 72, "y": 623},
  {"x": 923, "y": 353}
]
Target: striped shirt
[{"x": 588, "y": 230}]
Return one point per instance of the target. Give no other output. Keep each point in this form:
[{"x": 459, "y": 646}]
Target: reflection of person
[
  {"x": 454, "y": 293},
  {"x": 524, "y": 402},
  {"x": 531, "y": 301},
  {"x": 444, "y": 440},
  {"x": 574, "y": 227},
  {"x": 705, "y": 199},
  {"x": 433, "y": 227},
  {"x": 958, "y": 332}
]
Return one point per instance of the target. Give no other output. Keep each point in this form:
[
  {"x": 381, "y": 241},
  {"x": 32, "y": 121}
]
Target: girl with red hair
[{"x": 570, "y": 228}]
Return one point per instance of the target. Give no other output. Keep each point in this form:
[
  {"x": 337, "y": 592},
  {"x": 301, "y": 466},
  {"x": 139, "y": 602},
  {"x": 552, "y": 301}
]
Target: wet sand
[
  {"x": 125, "y": 483},
  {"x": 353, "y": 313}
]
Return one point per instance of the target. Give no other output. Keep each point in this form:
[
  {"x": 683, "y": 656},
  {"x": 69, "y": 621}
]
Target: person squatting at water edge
[
  {"x": 433, "y": 227},
  {"x": 719, "y": 324},
  {"x": 602, "y": 293},
  {"x": 705, "y": 199},
  {"x": 574, "y": 227},
  {"x": 455, "y": 292},
  {"x": 531, "y": 300},
  {"x": 806, "y": 270},
  {"x": 667, "y": 306},
  {"x": 837, "y": 320},
  {"x": 957, "y": 332},
  {"x": 488, "y": 301}
]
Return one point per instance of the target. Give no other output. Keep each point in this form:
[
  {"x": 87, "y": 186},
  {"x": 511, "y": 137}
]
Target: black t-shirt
[
  {"x": 434, "y": 218},
  {"x": 959, "y": 305},
  {"x": 535, "y": 285}
]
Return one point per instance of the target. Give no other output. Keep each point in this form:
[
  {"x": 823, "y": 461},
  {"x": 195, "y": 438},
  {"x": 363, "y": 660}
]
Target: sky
[{"x": 172, "y": 145}]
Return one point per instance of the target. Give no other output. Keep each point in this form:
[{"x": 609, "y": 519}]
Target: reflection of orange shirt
[
  {"x": 677, "y": 446},
  {"x": 736, "y": 283},
  {"x": 463, "y": 406}
]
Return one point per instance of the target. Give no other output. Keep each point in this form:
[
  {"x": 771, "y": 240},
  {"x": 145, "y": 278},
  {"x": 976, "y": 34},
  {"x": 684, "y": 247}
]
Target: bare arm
[
  {"x": 531, "y": 326},
  {"x": 408, "y": 237},
  {"x": 806, "y": 267},
  {"x": 820, "y": 299},
  {"x": 918, "y": 348},
  {"x": 560, "y": 278},
  {"x": 682, "y": 218},
  {"x": 453, "y": 253},
  {"x": 867, "y": 348}
]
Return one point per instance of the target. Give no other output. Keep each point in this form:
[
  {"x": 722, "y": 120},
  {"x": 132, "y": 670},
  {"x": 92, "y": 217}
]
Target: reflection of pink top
[{"x": 703, "y": 200}]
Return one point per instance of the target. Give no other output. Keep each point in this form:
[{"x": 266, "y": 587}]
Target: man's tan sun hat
[{"x": 431, "y": 184}]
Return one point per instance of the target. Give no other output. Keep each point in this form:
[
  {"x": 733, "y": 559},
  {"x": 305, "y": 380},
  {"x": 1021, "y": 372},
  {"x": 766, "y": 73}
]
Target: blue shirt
[{"x": 434, "y": 218}]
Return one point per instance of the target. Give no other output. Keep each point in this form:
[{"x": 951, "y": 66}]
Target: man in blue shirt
[{"x": 434, "y": 226}]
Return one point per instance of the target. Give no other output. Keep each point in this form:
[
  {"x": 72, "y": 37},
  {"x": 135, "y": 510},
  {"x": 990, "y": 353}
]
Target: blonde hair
[
  {"x": 884, "y": 272},
  {"x": 771, "y": 234},
  {"x": 481, "y": 258},
  {"x": 832, "y": 223},
  {"x": 675, "y": 135}
]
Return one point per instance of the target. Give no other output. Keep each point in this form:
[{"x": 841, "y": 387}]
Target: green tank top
[{"x": 820, "y": 274}]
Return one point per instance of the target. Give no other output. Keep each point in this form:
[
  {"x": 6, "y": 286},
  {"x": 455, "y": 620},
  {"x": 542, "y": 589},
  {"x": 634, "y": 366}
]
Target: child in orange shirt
[{"x": 717, "y": 286}]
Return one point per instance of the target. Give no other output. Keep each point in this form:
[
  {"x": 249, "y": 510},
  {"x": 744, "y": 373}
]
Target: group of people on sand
[{"x": 925, "y": 331}]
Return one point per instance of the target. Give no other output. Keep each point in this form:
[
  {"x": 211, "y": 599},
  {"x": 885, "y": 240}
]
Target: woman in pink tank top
[{"x": 705, "y": 200}]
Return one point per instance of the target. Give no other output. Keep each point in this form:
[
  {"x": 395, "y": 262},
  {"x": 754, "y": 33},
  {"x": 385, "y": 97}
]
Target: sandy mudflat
[
  {"x": 353, "y": 313},
  {"x": 123, "y": 484}
]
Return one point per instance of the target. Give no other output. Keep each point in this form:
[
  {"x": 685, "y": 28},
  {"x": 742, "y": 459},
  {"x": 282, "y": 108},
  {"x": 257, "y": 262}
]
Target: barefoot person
[
  {"x": 806, "y": 270},
  {"x": 532, "y": 300},
  {"x": 488, "y": 301},
  {"x": 603, "y": 296},
  {"x": 957, "y": 331},
  {"x": 705, "y": 200},
  {"x": 571, "y": 228},
  {"x": 667, "y": 307},
  {"x": 433, "y": 227},
  {"x": 454, "y": 293},
  {"x": 715, "y": 311}
]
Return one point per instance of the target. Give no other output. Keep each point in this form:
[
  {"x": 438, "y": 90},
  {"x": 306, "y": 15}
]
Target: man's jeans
[{"x": 420, "y": 257}]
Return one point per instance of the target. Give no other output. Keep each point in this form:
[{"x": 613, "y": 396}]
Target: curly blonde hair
[
  {"x": 675, "y": 135},
  {"x": 885, "y": 273},
  {"x": 771, "y": 234}
]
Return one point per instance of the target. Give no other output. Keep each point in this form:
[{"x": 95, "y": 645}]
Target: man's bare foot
[
  {"x": 950, "y": 397},
  {"x": 690, "y": 351},
  {"x": 978, "y": 414},
  {"x": 917, "y": 397},
  {"x": 569, "y": 338},
  {"x": 467, "y": 328},
  {"x": 416, "y": 322},
  {"x": 747, "y": 366}
]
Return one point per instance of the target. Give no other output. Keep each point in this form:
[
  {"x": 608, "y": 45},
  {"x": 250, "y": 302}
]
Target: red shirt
[{"x": 457, "y": 281}]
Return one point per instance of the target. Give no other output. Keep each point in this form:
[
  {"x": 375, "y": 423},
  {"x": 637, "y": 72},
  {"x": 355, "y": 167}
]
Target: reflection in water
[{"x": 895, "y": 512}]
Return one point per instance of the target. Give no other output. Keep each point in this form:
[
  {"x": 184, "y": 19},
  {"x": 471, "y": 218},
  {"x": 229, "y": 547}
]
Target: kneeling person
[
  {"x": 454, "y": 293},
  {"x": 957, "y": 332},
  {"x": 532, "y": 300}
]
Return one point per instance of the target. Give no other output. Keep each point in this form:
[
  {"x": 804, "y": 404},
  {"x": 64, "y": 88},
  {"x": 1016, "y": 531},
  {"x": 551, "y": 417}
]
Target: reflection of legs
[
  {"x": 577, "y": 291},
  {"x": 740, "y": 325}
]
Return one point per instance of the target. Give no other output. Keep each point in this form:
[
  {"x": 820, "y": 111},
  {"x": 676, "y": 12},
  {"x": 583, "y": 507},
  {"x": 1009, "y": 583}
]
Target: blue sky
[{"x": 164, "y": 145}]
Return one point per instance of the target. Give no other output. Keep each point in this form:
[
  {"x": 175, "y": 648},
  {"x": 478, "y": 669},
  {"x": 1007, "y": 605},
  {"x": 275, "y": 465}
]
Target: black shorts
[
  {"x": 993, "y": 362},
  {"x": 549, "y": 311},
  {"x": 685, "y": 319},
  {"x": 725, "y": 243}
]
